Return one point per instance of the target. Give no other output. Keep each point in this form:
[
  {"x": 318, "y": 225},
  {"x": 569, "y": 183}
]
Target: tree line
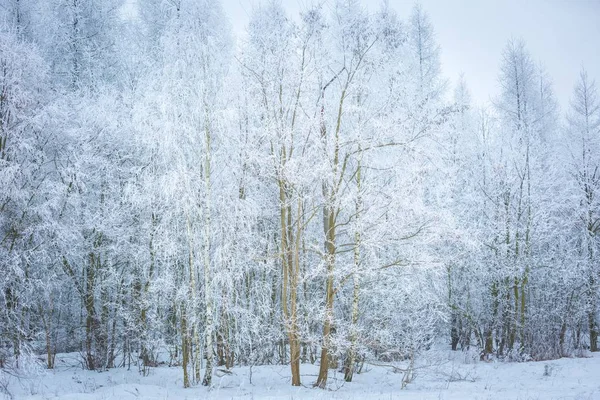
[{"x": 309, "y": 192}]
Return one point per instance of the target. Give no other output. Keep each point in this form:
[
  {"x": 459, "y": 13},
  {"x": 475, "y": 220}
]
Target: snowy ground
[{"x": 446, "y": 375}]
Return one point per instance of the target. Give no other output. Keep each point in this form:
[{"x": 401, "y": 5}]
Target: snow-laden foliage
[{"x": 309, "y": 192}]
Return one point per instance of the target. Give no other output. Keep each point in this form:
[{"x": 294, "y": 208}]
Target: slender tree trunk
[
  {"x": 193, "y": 329},
  {"x": 489, "y": 333},
  {"x": 294, "y": 334},
  {"x": 454, "y": 320},
  {"x": 329, "y": 225},
  {"x": 185, "y": 353},
  {"x": 329, "y": 228},
  {"x": 47, "y": 321},
  {"x": 561, "y": 340},
  {"x": 592, "y": 323},
  {"x": 90, "y": 309},
  {"x": 593, "y": 293},
  {"x": 351, "y": 356},
  {"x": 145, "y": 351},
  {"x": 208, "y": 297},
  {"x": 290, "y": 260}
]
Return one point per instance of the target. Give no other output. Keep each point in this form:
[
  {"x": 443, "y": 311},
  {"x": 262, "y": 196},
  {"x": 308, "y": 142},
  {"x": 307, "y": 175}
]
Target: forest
[{"x": 311, "y": 192}]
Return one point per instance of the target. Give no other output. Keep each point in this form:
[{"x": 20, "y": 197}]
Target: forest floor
[{"x": 440, "y": 375}]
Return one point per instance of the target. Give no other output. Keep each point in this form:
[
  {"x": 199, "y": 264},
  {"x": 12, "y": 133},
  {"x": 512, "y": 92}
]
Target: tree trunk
[
  {"x": 294, "y": 334},
  {"x": 329, "y": 219},
  {"x": 90, "y": 309},
  {"x": 208, "y": 297},
  {"x": 47, "y": 321},
  {"x": 592, "y": 323},
  {"x": 185, "y": 353},
  {"x": 351, "y": 356}
]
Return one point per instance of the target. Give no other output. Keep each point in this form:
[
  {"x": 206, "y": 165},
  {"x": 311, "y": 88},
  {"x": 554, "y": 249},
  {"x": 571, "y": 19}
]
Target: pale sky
[{"x": 561, "y": 34}]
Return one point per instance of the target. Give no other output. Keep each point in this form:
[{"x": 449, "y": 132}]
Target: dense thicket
[{"x": 309, "y": 193}]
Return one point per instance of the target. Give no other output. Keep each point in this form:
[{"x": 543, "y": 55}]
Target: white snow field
[{"x": 446, "y": 375}]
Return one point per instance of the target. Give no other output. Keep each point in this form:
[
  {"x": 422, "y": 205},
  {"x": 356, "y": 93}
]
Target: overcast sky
[{"x": 561, "y": 34}]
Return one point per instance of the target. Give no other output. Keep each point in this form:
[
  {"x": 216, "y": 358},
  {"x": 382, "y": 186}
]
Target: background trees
[
  {"x": 24, "y": 154},
  {"x": 583, "y": 126},
  {"x": 311, "y": 195}
]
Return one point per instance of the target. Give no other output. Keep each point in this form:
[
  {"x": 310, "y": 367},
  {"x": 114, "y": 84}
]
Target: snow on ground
[{"x": 440, "y": 376}]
